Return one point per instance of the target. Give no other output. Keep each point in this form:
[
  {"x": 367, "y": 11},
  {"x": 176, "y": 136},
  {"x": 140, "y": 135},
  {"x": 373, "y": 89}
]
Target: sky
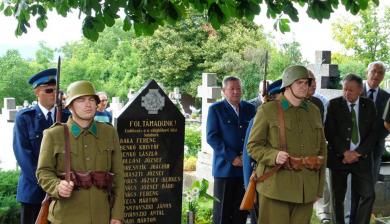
[{"x": 311, "y": 34}]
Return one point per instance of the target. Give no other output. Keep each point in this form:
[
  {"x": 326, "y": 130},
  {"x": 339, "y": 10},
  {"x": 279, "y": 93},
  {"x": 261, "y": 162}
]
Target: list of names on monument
[{"x": 152, "y": 149}]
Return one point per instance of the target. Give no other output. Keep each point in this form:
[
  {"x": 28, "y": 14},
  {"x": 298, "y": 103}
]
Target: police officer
[
  {"x": 28, "y": 130},
  {"x": 94, "y": 150},
  {"x": 288, "y": 195}
]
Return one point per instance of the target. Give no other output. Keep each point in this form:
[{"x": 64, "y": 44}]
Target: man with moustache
[
  {"x": 28, "y": 131},
  {"x": 96, "y": 164},
  {"x": 350, "y": 130},
  {"x": 287, "y": 195},
  {"x": 227, "y": 122}
]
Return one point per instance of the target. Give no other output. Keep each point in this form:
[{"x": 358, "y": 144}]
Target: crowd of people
[{"x": 301, "y": 147}]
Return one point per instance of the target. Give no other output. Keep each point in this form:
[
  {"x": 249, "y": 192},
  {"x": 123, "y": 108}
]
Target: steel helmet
[
  {"x": 78, "y": 89},
  {"x": 293, "y": 73}
]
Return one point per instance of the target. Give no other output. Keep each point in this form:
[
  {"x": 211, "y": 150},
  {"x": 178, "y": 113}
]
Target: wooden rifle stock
[
  {"x": 249, "y": 198},
  {"x": 44, "y": 211}
]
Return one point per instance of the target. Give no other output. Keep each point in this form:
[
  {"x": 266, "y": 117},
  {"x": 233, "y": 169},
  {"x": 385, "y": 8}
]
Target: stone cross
[
  {"x": 327, "y": 74},
  {"x": 209, "y": 92}
]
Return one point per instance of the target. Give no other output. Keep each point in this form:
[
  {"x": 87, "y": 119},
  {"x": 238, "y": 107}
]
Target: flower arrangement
[{"x": 193, "y": 196}]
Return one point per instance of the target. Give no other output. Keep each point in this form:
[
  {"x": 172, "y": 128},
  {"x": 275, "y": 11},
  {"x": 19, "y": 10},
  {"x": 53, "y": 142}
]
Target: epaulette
[{"x": 26, "y": 110}]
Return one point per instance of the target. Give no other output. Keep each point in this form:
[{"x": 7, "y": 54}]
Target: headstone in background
[
  {"x": 209, "y": 92},
  {"x": 327, "y": 74},
  {"x": 9, "y": 109},
  {"x": 382, "y": 192},
  {"x": 115, "y": 106},
  {"x": 151, "y": 135}
]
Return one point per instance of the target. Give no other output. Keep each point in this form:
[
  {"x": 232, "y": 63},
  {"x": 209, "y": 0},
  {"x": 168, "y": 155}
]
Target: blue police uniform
[{"x": 27, "y": 137}]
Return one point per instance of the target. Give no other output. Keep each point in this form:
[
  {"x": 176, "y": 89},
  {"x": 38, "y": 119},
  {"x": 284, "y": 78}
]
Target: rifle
[
  {"x": 59, "y": 93},
  {"x": 44, "y": 211},
  {"x": 265, "y": 82}
]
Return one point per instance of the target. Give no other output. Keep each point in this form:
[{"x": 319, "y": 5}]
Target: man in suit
[
  {"x": 227, "y": 122},
  {"x": 375, "y": 74},
  {"x": 350, "y": 131},
  {"x": 287, "y": 196},
  {"x": 28, "y": 132}
]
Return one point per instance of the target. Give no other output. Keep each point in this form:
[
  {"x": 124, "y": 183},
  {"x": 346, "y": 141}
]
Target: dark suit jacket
[
  {"x": 380, "y": 104},
  {"x": 338, "y": 128},
  {"x": 225, "y": 134}
]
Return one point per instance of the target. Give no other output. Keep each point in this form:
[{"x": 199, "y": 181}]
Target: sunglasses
[{"x": 49, "y": 90}]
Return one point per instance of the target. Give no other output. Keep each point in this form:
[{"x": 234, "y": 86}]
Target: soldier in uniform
[
  {"x": 287, "y": 196},
  {"x": 28, "y": 131},
  {"x": 94, "y": 150}
]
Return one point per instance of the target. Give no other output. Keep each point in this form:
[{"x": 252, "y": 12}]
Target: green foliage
[
  {"x": 146, "y": 16},
  {"x": 9, "y": 207},
  {"x": 14, "y": 72},
  {"x": 192, "y": 140},
  {"x": 349, "y": 64},
  {"x": 368, "y": 38},
  {"x": 197, "y": 200}
]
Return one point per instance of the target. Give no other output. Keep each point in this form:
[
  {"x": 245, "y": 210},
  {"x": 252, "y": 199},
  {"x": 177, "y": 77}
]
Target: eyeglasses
[
  {"x": 103, "y": 100},
  {"x": 49, "y": 90}
]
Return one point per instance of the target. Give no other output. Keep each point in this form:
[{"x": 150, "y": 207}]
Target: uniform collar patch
[
  {"x": 285, "y": 104},
  {"x": 76, "y": 130}
]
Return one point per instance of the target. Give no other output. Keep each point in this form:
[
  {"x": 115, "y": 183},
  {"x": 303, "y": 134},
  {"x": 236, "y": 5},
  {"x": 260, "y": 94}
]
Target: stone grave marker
[
  {"x": 9, "y": 110},
  {"x": 210, "y": 92},
  {"x": 151, "y": 135}
]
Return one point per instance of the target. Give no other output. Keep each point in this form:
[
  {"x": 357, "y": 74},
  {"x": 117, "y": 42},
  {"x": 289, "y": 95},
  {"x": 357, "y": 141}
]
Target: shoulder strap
[
  {"x": 282, "y": 143},
  {"x": 67, "y": 152},
  {"x": 282, "y": 128}
]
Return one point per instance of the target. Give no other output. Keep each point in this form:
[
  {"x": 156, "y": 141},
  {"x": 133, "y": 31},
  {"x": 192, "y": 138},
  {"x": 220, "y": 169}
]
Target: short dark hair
[
  {"x": 353, "y": 77},
  {"x": 229, "y": 79}
]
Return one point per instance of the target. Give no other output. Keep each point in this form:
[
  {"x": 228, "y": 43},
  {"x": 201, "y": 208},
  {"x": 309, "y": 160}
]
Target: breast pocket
[
  {"x": 274, "y": 133},
  {"x": 34, "y": 137},
  {"x": 104, "y": 157},
  {"x": 317, "y": 131},
  {"x": 59, "y": 154}
]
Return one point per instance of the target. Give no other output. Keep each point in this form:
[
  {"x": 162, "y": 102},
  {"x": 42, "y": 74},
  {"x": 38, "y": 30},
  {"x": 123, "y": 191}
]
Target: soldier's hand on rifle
[
  {"x": 115, "y": 221},
  {"x": 65, "y": 188},
  {"x": 237, "y": 161},
  {"x": 282, "y": 157}
]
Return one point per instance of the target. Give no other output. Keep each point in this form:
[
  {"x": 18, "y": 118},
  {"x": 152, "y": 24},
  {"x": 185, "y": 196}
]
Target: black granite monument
[{"x": 151, "y": 134}]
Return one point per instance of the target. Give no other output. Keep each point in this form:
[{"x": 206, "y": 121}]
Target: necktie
[
  {"x": 354, "y": 133},
  {"x": 49, "y": 119},
  {"x": 371, "y": 94}
]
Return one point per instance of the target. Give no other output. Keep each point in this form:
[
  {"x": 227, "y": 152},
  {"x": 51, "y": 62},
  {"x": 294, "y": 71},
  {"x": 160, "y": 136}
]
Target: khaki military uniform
[
  {"x": 93, "y": 149},
  {"x": 304, "y": 137}
]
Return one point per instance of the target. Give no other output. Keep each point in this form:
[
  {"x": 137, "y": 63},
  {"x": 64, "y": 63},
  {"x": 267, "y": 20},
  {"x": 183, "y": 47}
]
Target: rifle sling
[
  {"x": 282, "y": 144},
  {"x": 67, "y": 153}
]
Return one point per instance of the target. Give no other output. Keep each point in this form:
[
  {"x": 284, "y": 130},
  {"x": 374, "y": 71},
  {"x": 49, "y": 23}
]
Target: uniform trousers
[
  {"x": 230, "y": 192},
  {"x": 29, "y": 213},
  {"x": 274, "y": 211}
]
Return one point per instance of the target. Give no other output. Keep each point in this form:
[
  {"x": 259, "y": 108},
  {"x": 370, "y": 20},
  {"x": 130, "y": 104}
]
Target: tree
[
  {"x": 146, "y": 16},
  {"x": 15, "y": 72},
  {"x": 369, "y": 38},
  {"x": 43, "y": 57}
]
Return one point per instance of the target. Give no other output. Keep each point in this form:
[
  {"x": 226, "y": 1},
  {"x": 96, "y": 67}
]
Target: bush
[
  {"x": 192, "y": 140},
  {"x": 9, "y": 207}
]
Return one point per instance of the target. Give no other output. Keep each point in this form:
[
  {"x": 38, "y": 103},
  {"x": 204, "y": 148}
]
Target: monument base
[
  {"x": 382, "y": 192},
  {"x": 203, "y": 169}
]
